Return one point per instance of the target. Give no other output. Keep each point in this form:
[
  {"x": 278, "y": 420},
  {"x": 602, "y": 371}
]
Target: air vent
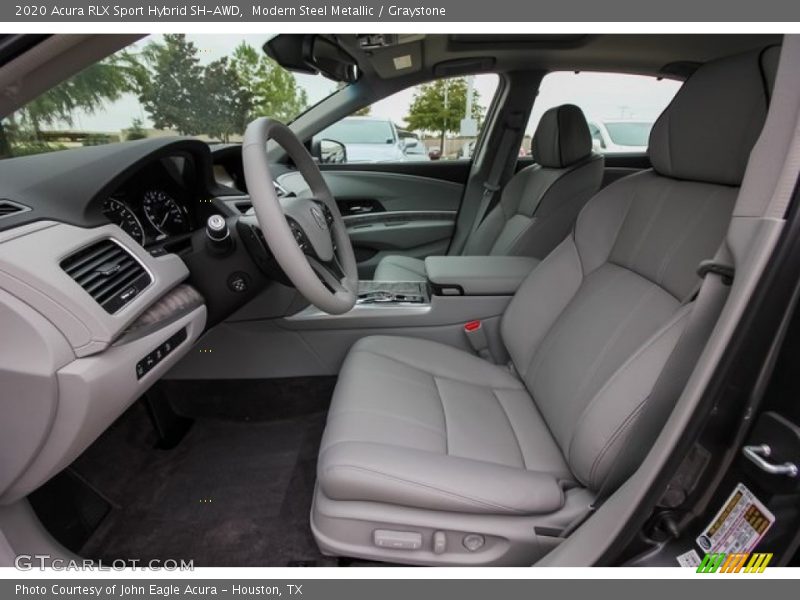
[
  {"x": 8, "y": 208},
  {"x": 109, "y": 273}
]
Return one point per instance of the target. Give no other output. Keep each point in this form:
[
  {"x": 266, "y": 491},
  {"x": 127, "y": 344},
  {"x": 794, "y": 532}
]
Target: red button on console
[{"x": 472, "y": 326}]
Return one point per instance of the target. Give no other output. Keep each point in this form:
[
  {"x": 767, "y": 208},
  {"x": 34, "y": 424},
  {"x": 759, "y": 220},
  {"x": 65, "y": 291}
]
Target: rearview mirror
[{"x": 312, "y": 54}]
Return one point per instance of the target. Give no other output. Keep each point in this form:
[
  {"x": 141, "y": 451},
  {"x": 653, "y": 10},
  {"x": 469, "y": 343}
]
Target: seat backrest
[
  {"x": 591, "y": 328},
  {"x": 539, "y": 204}
]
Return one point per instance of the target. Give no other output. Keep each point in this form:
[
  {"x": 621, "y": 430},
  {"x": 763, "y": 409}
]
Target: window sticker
[{"x": 738, "y": 526}]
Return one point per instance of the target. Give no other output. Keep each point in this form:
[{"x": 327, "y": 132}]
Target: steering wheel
[{"x": 306, "y": 235}]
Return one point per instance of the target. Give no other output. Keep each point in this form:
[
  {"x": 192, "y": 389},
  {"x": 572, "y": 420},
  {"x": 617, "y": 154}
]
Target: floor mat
[{"x": 230, "y": 494}]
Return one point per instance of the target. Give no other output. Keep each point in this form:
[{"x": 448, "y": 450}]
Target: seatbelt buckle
[{"x": 476, "y": 336}]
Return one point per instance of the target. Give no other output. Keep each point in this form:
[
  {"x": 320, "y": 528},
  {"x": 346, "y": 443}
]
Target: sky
[{"x": 600, "y": 95}]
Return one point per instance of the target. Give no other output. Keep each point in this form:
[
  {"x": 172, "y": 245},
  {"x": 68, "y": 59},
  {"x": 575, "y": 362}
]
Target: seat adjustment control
[
  {"x": 439, "y": 542},
  {"x": 397, "y": 540},
  {"x": 473, "y": 542}
]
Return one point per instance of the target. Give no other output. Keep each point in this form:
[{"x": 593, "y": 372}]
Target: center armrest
[{"x": 478, "y": 275}]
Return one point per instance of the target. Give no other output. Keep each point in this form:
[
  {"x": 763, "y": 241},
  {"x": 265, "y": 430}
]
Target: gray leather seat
[
  {"x": 539, "y": 204},
  {"x": 428, "y": 440}
]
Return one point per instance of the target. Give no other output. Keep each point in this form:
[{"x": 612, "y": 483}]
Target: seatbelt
[
  {"x": 493, "y": 184},
  {"x": 703, "y": 316}
]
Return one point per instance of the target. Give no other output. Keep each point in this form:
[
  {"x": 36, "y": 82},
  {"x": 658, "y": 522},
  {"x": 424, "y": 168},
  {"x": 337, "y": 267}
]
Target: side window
[
  {"x": 619, "y": 108},
  {"x": 439, "y": 120}
]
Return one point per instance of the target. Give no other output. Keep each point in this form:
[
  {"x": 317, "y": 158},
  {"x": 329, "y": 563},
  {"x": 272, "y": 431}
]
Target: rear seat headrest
[
  {"x": 562, "y": 137},
  {"x": 708, "y": 130}
]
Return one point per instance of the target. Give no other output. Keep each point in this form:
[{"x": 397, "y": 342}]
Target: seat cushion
[
  {"x": 400, "y": 268},
  {"x": 417, "y": 423}
]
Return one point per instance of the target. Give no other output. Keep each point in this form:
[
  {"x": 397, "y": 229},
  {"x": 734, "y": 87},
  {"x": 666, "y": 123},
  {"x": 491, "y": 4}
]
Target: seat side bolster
[
  {"x": 361, "y": 471},
  {"x": 539, "y": 302},
  {"x": 600, "y": 432}
]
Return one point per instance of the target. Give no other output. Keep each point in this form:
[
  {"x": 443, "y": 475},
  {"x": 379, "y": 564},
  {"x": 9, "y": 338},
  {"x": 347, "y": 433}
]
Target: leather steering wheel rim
[{"x": 333, "y": 260}]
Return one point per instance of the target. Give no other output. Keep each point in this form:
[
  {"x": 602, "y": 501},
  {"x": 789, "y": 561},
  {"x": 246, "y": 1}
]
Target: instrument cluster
[{"x": 155, "y": 204}]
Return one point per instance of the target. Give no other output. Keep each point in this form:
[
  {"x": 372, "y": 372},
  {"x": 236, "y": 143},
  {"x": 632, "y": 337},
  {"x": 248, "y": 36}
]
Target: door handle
[{"x": 758, "y": 455}]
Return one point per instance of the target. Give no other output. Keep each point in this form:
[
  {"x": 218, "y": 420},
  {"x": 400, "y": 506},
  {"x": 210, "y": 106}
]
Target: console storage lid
[{"x": 477, "y": 275}]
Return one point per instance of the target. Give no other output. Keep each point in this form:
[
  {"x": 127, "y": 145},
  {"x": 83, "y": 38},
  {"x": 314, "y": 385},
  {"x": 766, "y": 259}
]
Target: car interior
[{"x": 299, "y": 361}]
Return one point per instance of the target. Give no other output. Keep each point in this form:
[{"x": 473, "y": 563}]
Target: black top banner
[{"x": 313, "y": 11}]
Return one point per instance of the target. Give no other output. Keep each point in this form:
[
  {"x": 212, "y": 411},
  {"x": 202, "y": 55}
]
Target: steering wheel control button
[
  {"x": 439, "y": 542},
  {"x": 299, "y": 235},
  {"x": 397, "y": 540},
  {"x": 473, "y": 542},
  {"x": 239, "y": 282},
  {"x": 144, "y": 366},
  {"x": 218, "y": 234}
]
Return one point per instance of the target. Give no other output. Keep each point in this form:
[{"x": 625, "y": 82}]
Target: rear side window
[{"x": 619, "y": 108}]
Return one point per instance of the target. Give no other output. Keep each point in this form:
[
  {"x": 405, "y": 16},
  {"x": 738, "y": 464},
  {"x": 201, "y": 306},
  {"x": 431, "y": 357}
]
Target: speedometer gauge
[
  {"x": 164, "y": 213},
  {"x": 119, "y": 214}
]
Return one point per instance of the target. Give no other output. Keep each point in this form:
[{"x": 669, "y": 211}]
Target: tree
[
  {"x": 363, "y": 112},
  {"x": 227, "y": 102},
  {"x": 274, "y": 90},
  {"x": 136, "y": 131},
  {"x": 170, "y": 84},
  {"x": 86, "y": 91},
  {"x": 439, "y": 106}
]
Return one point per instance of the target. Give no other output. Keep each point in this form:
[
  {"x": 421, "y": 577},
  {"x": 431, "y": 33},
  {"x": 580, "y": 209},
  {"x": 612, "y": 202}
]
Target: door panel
[
  {"x": 455, "y": 171},
  {"x": 393, "y": 210}
]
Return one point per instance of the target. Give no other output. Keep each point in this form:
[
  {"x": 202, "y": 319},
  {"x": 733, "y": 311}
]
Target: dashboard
[
  {"x": 107, "y": 279},
  {"x": 95, "y": 315},
  {"x": 90, "y": 186}
]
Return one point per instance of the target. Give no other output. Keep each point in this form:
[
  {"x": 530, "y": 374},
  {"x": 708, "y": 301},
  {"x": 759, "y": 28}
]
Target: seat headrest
[
  {"x": 562, "y": 137},
  {"x": 708, "y": 130}
]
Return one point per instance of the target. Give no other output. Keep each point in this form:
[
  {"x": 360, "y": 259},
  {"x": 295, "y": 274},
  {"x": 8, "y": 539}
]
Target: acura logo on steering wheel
[{"x": 319, "y": 217}]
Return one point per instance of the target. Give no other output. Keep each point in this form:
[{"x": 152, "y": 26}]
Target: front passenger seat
[
  {"x": 432, "y": 455},
  {"x": 538, "y": 206}
]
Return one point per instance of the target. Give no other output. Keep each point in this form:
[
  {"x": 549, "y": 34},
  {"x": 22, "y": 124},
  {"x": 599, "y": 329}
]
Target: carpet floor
[{"x": 232, "y": 493}]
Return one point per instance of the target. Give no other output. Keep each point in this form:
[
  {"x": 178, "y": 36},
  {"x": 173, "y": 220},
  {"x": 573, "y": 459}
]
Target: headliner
[{"x": 638, "y": 53}]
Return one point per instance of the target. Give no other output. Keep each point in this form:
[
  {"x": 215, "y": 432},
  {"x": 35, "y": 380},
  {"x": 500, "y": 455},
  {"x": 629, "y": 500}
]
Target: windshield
[
  {"x": 357, "y": 131},
  {"x": 629, "y": 134},
  {"x": 205, "y": 86}
]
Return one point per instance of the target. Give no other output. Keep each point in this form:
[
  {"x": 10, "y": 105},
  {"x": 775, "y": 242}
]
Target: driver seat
[{"x": 432, "y": 455}]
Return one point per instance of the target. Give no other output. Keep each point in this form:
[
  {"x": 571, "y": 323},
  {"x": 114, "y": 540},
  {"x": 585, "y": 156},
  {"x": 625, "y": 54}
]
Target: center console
[
  {"x": 459, "y": 289},
  {"x": 477, "y": 275},
  {"x": 393, "y": 292},
  {"x": 461, "y": 292},
  {"x": 452, "y": 276}
]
